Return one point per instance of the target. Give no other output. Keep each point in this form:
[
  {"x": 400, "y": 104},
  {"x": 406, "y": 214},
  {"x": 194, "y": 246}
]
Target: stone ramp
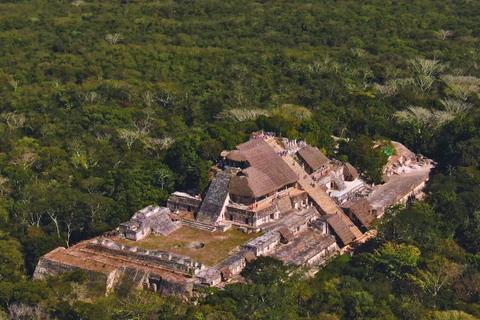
[
  {"x": 340, "y": 223},
  {"x": 214, "y": 202},
  {"x": 198, "y": 225}
]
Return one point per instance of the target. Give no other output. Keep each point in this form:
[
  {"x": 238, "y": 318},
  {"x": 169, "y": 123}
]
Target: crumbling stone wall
[
  {"x": 164, "y": 258},
  {"x": 264, "y": 244},
  {"x": 183, "y": 202},
  {"x": 238, "y": 215},
  {"x": 47, "y": 267},
  {"x": 166, "y": 286}
]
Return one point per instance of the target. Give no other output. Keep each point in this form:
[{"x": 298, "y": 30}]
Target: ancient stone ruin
[{"x": 304, "y": 207}]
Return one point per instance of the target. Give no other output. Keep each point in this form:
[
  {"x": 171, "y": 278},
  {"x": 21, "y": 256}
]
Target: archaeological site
[{"x": 268, "y": 197}]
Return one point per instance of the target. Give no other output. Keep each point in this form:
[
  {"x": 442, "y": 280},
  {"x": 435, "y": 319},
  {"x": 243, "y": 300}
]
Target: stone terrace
[
  {"x": 218, "y": 245},
  {"x": 304, "y": 247},
  {"x": 111, "y": 265},
  {"x": 388, "y": 193}
]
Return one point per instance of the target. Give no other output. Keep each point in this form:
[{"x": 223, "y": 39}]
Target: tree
[
  {"x": 184, "y": 160},
  {"x": 129, "y": 136},
  {"x": 462, "y": 86},
  {"x": 241, "y": 115},
  {"x": 11, "y": 259},
  {"x": 455, "y": 107},
  {"x": 438, "y": 274},
  {"x": 397, "y": 261},
  {"x": 362, "y": 154},
  {"x": 424, "y": 119},
  {"x": 113, "y": 38},
  {"x": 451, "y": 315},
  {"x": 211, "y": 149},
  {"x": 265, "y": 270},
  {"x": 417, "y": 224},
  {"x": 425, "y": 71}
]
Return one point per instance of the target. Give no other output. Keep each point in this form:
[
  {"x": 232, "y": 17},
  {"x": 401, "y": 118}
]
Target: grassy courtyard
[{"x": 218, "y": 245}]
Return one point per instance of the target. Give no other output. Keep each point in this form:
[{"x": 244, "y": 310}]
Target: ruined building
[{"x": 288, "y": 200}]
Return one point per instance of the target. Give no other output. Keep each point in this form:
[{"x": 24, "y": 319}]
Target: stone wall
[
  {"x": 183, "y": 202},
  {"x": 142, "y": 276},
  {"x": 47, "y": 267},
  {"x": 240, "y": 216},
  {"x": 180, "y": 263},
  {"x": 233, "y": 265},
  {"x": 264, "y": 244},
  {"x": 156, "y": 283}
]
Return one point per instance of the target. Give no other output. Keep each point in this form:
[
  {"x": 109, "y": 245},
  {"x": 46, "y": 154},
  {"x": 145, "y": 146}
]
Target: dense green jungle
[{"x": 109, "y": 106}]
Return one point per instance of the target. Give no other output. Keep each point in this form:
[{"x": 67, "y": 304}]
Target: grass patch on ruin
[{"x": 218, "y": 245}]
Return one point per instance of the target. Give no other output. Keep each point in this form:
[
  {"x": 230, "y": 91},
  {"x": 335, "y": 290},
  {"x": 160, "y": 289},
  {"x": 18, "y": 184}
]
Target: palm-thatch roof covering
[
  {"x": 350, "y": 172},
  {"x": 267, "y": 171},
  {"x": 314, "y": 158},
  {"x": 341, "y": 228},
  {"x": 237, "y": 156},
  {"x": 286, "y": 234},
  {"x": 226, "y": 273},
  {"x": 249, "y": 255},
  {"x": 362, "y": 210}
]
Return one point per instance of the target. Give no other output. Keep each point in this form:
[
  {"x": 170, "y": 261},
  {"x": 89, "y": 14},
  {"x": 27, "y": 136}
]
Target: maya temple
[{"x": 269, "y": 197}]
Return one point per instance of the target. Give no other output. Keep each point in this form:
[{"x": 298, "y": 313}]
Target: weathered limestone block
[{"x": 47, "y": 267}]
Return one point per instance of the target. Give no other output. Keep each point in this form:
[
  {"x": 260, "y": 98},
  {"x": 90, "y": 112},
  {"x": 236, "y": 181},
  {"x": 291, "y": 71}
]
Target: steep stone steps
[{"x": 198, "y": 225}]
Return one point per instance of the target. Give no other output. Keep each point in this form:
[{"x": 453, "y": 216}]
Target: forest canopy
[{"x": 109, "y": 106}]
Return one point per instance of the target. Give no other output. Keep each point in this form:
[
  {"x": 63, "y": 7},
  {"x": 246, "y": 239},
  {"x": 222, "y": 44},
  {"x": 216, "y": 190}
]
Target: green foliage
[
  {"x": 397, "y": 260},
  {"x": 265, "y": 270},
  {"x": 11, "y": 258},
  {"x": 108, "y": 106},
  {"x": 362, "y": 154},
  {"x": 416, "y": 224},
  {"x": 77, "y": 276},
  {"x": 125, "y": 287},
  {"x": 451, "y": 315}
]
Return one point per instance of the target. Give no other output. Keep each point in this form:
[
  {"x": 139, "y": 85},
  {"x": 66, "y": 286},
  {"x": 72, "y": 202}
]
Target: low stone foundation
[{"x": 107, "y": 261}]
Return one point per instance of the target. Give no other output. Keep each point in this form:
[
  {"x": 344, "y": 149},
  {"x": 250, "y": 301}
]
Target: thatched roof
[
  {"x": 239, "y": 186},
  {"x": 286, "y": 234},
  {"x": 267, "y": 171},
  {"x": 237, "y": 156},
  {"x": 313, "y": 157},
  {"x": 249, "y": 255},
  {"x": 350, "y": 172},
  {"x": 341, "y": 228},
  {"x": 362, "y": 210}
]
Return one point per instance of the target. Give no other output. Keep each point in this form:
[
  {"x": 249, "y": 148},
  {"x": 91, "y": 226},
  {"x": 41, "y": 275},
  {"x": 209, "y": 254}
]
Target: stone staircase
[
  {"x": 215, "y": 199},
  {"x": 198, "y": 225}
]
